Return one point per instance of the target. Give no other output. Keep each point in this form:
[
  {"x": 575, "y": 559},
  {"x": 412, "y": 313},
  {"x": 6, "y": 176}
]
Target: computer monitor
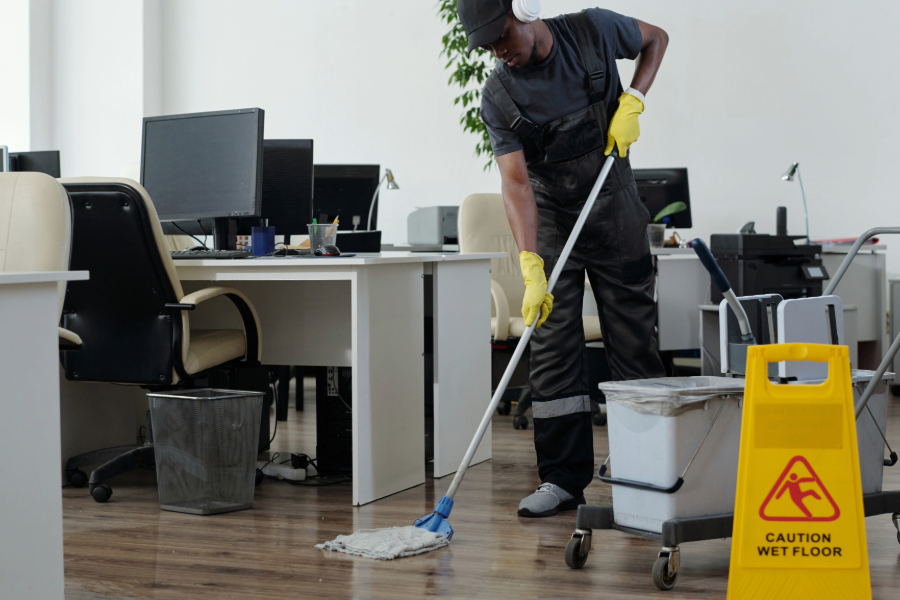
[
  {"x": 659, "y": 188},
  {"x": 345, "y": 191},
  {"x": 287, "y": 188},
  {"x": 204, "y": 166},
  {"x": 45, "y": 161}
]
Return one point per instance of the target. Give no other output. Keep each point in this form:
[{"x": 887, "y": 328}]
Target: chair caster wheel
[
  {"x": 661, "y": 576},
  {"x": 259, "y": 476},
  {"x": 77, "y": 478},
  {"x": 599, "y": 419},
  {"x": 575, "y": 558},
  {"x": 101, "y": 493},
  {"x": 520, "y": 422},
  {"x": 504, "y": 408}
]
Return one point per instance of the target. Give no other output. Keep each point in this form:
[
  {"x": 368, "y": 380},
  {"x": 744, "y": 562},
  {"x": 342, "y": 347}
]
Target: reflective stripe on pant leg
[{"x": 561, "y": 406}]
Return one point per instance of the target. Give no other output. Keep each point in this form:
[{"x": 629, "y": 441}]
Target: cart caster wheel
[
  {"x": 520, "y": 422},
  {"x": 599, "y": 419},
  {"x": 259, "y": 476},
  {"x": 574, "y": 556},
  {"x": 661, "y": 576},
  {"x": 77, "y": 478},
  {"x": 101, "y": 493}
]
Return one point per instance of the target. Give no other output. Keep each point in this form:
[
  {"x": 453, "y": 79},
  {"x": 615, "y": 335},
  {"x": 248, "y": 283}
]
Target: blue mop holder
[{"x": 437, "y": 521}]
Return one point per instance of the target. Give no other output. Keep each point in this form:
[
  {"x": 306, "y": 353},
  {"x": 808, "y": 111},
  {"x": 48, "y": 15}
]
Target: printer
[
  {"x": 757, "y": 264},
  {"x": 433, "y": 225}
]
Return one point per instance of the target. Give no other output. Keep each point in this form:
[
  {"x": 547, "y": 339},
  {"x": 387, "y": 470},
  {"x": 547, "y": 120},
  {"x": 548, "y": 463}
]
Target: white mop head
[{"x": 387, "y": 544}]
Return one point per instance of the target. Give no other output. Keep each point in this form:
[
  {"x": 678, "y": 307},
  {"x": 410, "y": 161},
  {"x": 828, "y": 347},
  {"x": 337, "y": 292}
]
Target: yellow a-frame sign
[{"x": 798, "y": 518}]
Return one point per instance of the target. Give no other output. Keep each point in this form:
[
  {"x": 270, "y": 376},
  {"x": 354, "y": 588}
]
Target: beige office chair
[
  {"x": 483, "y": 227},
  {"x": 135, "y": 317},
  {"x": 36, "y": 231}
]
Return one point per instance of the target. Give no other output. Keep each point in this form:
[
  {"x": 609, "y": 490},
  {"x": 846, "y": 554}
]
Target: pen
[{"x": 333, "y": 225}]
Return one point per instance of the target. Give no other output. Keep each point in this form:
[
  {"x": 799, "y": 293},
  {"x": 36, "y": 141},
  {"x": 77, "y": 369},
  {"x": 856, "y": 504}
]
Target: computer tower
[
  {"x": 252, "y": 378},
  {"x": 334, "y": 419},
  {"x": 287, "y": 187}
]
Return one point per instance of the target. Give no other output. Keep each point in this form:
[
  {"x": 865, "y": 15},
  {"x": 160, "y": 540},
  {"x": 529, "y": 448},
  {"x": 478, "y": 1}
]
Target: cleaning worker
[{"x": 554, "y": 108}]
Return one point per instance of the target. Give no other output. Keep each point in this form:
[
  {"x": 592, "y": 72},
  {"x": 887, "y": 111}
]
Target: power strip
[{"x": 282, "y": 471}]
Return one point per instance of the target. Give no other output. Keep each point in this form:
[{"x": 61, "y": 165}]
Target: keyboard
[{"x": 208, "y": 254}]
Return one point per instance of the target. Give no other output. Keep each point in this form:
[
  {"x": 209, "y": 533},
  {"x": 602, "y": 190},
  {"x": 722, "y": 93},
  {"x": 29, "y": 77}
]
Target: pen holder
[
  {"x": 319, "y": 236},
  {"x": 262, "y": 241}
]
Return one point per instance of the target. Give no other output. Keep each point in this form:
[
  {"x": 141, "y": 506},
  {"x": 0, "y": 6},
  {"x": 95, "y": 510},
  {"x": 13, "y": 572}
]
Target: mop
[{"x": 433, "y": 531}]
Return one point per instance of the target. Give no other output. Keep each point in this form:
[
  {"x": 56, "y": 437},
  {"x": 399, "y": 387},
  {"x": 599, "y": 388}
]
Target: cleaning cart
[{"x": 675, "y": 444}]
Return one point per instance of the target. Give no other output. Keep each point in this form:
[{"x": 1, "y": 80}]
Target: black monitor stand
[
  {"x": 226, "y": 230},
  {"x": 225, "y": 233}
]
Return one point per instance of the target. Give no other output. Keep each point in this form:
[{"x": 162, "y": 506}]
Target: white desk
[
  {"x": 31, "y": 538},
  {"x": 368, "y": 312}
]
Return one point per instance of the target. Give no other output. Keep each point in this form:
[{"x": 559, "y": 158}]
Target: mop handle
[{"x": 523, "y": 342}]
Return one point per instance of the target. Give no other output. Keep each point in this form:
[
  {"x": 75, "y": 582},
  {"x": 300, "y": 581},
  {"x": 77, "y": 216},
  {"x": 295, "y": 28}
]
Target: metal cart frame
[{"x": 695, "y": 529}]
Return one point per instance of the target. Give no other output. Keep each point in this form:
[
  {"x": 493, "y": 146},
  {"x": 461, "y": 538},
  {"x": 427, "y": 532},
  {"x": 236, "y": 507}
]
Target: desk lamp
[
  {"x": 789, "y": 176},
  {"x": 391, "y": 185}
]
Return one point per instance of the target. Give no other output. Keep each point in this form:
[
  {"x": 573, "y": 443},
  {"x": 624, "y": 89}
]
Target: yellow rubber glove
[
  {"x": 536, "y": 296},
  {"x": 624, "y": 129}
]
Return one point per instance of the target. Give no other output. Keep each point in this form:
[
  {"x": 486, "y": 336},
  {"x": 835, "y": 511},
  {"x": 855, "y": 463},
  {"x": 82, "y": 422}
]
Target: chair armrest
[
  {"x": 249, "y": 317},
  {"x": 69, "y": 340},
  {"x": 501, "y": 308}
]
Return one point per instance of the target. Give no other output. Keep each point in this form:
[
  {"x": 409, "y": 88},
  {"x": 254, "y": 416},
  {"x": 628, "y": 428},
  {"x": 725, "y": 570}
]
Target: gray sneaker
[{"x": 548, "y": 500}]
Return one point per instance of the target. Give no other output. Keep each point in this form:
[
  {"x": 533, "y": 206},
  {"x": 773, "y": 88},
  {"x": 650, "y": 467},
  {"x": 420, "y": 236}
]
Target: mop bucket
[{"x": 673, "y": 447}]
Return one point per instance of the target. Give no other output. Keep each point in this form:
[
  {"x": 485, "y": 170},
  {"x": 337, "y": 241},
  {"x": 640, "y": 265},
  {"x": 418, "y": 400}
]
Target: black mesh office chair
[{"x": 133, "y": 316}]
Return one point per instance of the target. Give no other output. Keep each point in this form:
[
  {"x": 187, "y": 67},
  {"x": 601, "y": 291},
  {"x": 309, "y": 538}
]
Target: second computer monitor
[
  {"x": 345, "y": 191},
  {"x": 287, "y": 189},
  {"x": 44, "y": 161},
  {"x": 658, "y": 188}
]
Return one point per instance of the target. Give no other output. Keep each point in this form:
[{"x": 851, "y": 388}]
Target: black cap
[{"x": 483, "y": 20}]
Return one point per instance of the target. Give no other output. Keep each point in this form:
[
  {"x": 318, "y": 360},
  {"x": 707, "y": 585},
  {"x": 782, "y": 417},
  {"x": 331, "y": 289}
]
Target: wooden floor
[{"x": 129, "y": 548}]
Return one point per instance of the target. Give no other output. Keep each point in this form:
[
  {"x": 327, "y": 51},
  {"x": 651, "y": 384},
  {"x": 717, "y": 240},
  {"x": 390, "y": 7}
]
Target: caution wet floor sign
[{"x": 798, "y": 523}]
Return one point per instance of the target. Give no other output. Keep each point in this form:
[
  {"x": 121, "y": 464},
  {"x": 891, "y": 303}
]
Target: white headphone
[{"x": 527, "y": 10}]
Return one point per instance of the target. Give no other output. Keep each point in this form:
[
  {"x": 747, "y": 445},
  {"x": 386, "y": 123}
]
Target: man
[{"x": 555, "y": 108}]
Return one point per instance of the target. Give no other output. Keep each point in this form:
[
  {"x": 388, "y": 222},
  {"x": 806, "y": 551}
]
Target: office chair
[
  {"x": 484, "y": 227},
  {"x": 38, "y": 233},
  {"x": 135, "y": 317}
]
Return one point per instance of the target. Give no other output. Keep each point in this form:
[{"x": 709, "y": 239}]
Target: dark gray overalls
[{"x": 564, "y": 158}]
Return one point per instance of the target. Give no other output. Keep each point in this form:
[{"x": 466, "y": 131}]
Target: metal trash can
[{"x": 205, "y": 442}]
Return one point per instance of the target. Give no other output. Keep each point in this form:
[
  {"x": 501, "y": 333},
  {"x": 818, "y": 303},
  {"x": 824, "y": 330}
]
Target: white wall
[
  {"x": 15, "y": 105},
  {"x": 362, "y": 79},
  {"x": 98, "y": 84},
  {"x": 747, "y": 87}
]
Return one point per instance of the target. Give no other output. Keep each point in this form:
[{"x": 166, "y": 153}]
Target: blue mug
[{"x": 262, "y": 240}]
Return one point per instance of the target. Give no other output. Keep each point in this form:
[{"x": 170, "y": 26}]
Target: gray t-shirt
[{"x": 557, "y": 87}]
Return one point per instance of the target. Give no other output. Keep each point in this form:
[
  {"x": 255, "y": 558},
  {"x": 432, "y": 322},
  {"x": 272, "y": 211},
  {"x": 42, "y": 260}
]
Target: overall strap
[
  {"x": 596, "y": 80},
  {"x": 526, "y": 129}
]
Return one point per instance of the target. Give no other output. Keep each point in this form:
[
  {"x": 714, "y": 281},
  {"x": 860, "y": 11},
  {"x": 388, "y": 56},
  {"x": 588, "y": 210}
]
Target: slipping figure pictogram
[{"x": 797, "y": 494}]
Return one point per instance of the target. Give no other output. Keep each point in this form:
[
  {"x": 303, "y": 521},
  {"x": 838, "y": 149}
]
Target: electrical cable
[
  {"x": 205, "y": 235},
  {"x": 275, "y": 396},
  {"x": 274, "y": 456},
  {"x": 188, "y": 234}
]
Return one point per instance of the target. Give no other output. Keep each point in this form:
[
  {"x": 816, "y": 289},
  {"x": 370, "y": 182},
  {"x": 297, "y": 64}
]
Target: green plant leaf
[{"x": 675, "y": 207}]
